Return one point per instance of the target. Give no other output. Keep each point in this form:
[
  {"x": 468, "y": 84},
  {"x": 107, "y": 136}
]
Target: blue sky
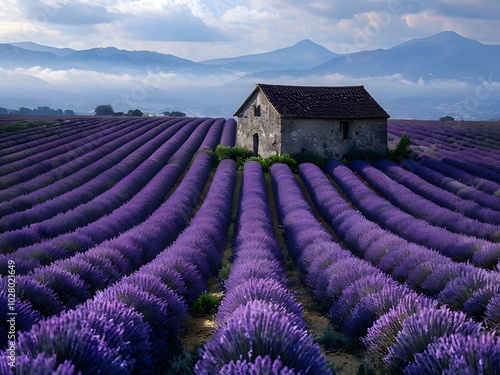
[{"x": 199, "y": 30}]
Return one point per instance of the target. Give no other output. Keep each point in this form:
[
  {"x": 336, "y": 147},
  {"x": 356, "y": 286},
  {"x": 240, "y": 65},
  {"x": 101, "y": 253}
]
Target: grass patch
[
  {"x": 332, "y": 340},
  {"x": 224, "y": 272},
  {"x": 17, "y": 126},
  {"x": 182, "y": 363},
  {"x": 206, "y": 304}
]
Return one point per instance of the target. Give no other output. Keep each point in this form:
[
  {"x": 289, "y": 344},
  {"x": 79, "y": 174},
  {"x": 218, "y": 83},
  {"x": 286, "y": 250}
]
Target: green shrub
[
  {"x": 401, "y": 150},
  {"x": 285, "y": 159},
  {"x": 182, "y": 363},
  {"x": 237, "y": 153},
  {"x": 311, "y": 157},
  {"x": 206, "y": 304},
  {"x": 241, "y": 155},
  {"x": 332, "y": 340}
]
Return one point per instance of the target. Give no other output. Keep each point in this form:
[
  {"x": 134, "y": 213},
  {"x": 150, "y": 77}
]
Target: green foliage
[
  {"x": 401, "y": 150},
  {"x": 224, "y": 272},
  {"x": 285, "y": 159},
  {"x": 174, "y": 114},
  {"x": 16, "y": 126},
  {"x": 332, "y": 340},
  {"x": 446, "y": 118},
  {"x": 135, "y": 112},
  {"x": 104, "y": 110},
  {"x": 241, "y": 155},
  {"x": 182, "y": 363},
  {"x": 206, "y": 304},
  {"x": 365, "y": 369},
  {"x": 227, "y": 152},
  {"x": 311, "y": 157}
]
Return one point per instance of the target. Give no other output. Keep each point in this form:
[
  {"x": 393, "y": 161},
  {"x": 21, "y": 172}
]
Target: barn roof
[{"x": 326, "y": 102}]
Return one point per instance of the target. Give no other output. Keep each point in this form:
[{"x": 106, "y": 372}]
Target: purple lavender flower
[
  {"x": 259, "y": 329},
  {"x": 371, "y": 307},
  {"x": 459, "y": 354},
  {"x": 258, "y": 268},
  {"x": 354, "y": 293},
  {"x": 44, "y": 363},
  {"x": 73, "y": 340},
  {"x": 493, "y": 311},
  {"x": 423, "y": 328},
  {"x": 382, "y": 334},
  {"x": 24, "y": 319},
  {"x": 94, "y": 277},
  {"x": 261, "y": 365},
  {"x": 258, "y": 289},
  {"x": 40, "y": 296}
]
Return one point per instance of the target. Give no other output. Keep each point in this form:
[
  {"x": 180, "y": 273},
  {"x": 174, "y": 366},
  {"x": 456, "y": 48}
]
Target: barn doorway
[{"x": 256, "y": 144}]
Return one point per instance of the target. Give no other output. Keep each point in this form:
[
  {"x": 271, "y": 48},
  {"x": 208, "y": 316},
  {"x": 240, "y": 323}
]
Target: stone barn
[{"x": 336, "y": 121}]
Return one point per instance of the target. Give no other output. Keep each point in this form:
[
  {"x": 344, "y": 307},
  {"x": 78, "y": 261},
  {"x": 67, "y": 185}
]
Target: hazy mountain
[
  {"x": 302, "y": 55},
  {"x": 443, "y": 56},
  {"x": 12, "y": 57},
  {"x": 104, "y": 60},
  {"x": 444, "y": 74},
  {"x": 30, "y": 46}
]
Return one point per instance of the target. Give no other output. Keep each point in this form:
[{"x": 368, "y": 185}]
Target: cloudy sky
[{"x": 199, "y": 30}]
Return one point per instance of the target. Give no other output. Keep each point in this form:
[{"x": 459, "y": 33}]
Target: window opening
[{"x": 344, "y": 128}]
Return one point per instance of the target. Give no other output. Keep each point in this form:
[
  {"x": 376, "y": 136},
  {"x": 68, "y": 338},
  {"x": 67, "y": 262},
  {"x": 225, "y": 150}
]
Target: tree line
[
  {"x": 107, "y": 110},
  {"x": 40, "y": 110}
]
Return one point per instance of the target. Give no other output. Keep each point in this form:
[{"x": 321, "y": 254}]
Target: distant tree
[
  {"x": 43, "y": 110},
  {"x": 118, "y": 114},
  {"x": 25, "y": 111},
  {"x": 69, "y": 112},
  {"x": 3, "y": 110},
  {"x": 135, "y": 112},
  {"x": 104, "y": 110},
  {"x": 174, "y": 114},
  {"x": 446, "y": 118}
]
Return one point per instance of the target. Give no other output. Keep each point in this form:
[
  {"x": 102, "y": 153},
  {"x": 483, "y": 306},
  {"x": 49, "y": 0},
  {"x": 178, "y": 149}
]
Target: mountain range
[{"x": 443, "y": 74}]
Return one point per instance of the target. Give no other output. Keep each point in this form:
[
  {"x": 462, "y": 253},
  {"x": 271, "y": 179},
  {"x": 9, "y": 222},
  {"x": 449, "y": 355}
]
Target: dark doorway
[{"x": 256, "y": 144}]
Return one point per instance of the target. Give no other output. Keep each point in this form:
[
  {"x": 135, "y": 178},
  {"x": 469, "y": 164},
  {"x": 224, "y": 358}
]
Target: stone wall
[
  {"x": 260, "y": 124},
  {"x": 366, "y": 137},
  {"x": 259, "y": 117}
]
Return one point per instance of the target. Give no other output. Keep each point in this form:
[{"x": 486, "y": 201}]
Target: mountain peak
[
  {"x": 305, "y": 42},
  {"x": 440, "y": 39}
]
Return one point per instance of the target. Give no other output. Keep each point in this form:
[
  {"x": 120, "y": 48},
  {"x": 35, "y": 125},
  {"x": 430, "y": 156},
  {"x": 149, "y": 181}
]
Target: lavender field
[{"x": 111, "y": 228}]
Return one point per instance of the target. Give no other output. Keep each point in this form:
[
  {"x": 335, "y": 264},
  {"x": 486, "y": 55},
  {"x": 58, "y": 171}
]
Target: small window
[
  {"x": 256, "y": 110},
  {"x": 344, "y": 128}
]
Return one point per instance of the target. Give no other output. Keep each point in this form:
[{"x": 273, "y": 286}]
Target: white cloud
[{"x": 206, "y": 29}]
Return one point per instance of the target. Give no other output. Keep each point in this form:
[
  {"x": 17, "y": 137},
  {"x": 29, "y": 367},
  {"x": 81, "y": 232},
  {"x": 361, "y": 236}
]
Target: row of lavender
[
  {"x": 109, "y": 214},
  {"x": 479, "y": 139},
  {"x": 133, "y": 326},
  {"x": 18, "y": 145},
  {"x": 111, "y": 162},
  {"x": 453, "y": 236},
  {"x": 260, "y": 324},
  {"x": 402, "y": 330},
  {"x": 108, "y": 183},
  {"x": 90, "y": 259},
  {"x": 65, "y": 283},
  {"x": 456, "y": 150},
  {"x": 460, "y": 286}
]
